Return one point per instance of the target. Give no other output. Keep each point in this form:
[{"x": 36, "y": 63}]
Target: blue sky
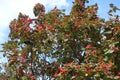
[{"x": 9, "y": 10}]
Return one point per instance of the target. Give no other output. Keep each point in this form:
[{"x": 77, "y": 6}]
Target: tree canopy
[{"x": 56, "y": 46}]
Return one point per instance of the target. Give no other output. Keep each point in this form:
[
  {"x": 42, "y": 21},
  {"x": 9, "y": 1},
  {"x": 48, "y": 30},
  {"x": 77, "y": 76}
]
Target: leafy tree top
[{"x": 83, "y": 45}]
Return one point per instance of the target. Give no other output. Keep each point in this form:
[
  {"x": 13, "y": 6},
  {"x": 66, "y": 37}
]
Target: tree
[{"x": 83, "y": 46}]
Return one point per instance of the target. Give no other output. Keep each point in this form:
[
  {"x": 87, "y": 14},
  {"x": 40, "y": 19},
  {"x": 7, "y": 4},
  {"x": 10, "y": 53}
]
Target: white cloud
[{"x": 9, "y": 10}]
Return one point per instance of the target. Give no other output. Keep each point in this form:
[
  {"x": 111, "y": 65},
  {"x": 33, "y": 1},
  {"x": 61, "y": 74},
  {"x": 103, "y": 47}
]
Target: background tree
[{"x": 83, "y": 46}]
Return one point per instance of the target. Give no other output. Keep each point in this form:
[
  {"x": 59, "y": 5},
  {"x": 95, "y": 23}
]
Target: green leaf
[
  {"x": 24, "y": 78},
  {"x": 97, "y": 75},
  {"x": 111, "y": 5},
  {"x": 108, "y": 32},
  {"x": 116, "y": 77},
  {"x": 110, "y": 15},
  {"x": 110, "y": 11}
]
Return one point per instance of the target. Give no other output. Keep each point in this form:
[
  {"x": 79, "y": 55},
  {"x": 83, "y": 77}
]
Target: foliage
[{"x": 53, "y": 45}]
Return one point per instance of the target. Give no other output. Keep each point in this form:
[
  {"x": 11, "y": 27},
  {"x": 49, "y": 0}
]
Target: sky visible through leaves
[{"x": 9, "y": 10}]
